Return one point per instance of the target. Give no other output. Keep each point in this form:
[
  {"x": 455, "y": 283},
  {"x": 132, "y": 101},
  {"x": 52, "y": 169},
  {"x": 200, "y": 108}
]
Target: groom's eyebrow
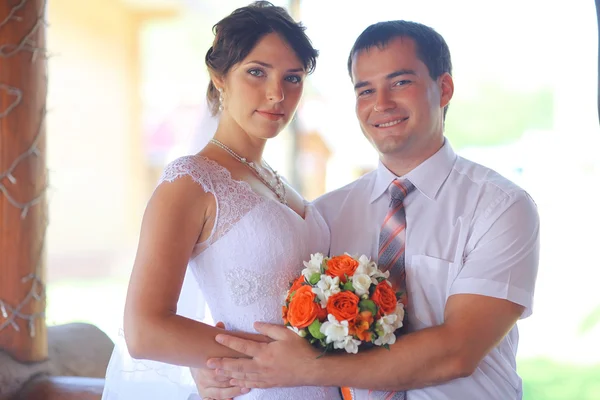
[{"x": 392, "y": 75}]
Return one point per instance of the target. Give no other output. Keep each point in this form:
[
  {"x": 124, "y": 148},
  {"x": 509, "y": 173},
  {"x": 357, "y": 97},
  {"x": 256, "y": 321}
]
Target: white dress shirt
[{"x": 469, "y": 230}]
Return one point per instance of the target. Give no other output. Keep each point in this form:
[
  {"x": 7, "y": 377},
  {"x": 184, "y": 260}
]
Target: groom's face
[{"x": 398, "y": 104}]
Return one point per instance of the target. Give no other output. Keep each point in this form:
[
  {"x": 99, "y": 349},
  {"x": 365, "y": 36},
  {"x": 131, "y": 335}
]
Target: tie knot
[{"x": 400, "y": 189}]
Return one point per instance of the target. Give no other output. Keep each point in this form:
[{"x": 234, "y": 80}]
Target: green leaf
[
  {"x": 314, "y": 278},
  {"x": 368, "y": 305},
  {"x": 292, "y": 296},
  {"x": 348, "y": 286},
  {"x": 315, "y": 329}
]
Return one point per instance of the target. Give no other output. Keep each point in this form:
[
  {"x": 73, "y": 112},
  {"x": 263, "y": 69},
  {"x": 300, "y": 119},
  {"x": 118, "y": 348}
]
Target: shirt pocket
[{"x": 427, "y": 282}]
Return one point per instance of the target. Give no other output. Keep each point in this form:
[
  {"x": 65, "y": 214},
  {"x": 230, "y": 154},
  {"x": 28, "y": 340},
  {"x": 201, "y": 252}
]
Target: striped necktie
[
  {"x": 393, "y": 237},
  {"x": 391, "y": 258}
]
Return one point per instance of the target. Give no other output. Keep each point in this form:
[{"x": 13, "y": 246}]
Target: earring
[{"x": 221, "y": 100}]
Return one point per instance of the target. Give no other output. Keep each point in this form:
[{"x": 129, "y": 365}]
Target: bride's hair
[{"x": 237, "y": 34}]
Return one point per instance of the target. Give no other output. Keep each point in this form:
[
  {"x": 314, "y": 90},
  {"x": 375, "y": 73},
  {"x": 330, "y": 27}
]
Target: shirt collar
[{"x": 427, "y": 177}]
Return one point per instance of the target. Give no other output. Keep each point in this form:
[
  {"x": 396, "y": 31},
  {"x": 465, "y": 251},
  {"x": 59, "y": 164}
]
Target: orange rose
[
  {"x": 295, "y": 286},
  {"x": 384, "y": 297},
  {"x": 284, "y": 313},
  {"x": 340, "y": 266},
  {"x": 303, "y": 309},
  {"x": 321, "y": 313},
  {"x": 361, "y": 325},
  {"x": 343, "y": 306}
]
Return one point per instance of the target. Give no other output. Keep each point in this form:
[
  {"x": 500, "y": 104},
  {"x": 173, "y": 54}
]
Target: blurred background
[{"x": 127, "y": 86}]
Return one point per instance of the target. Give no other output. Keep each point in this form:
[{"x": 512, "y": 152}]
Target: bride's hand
[{"x": 212, "y": 386}]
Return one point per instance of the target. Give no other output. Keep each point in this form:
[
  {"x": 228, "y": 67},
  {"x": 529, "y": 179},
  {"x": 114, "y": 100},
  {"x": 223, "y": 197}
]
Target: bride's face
[{"x": 262, "y": 92}]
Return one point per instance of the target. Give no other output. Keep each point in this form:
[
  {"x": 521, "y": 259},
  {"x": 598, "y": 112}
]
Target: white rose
[
  {"x": 333, "y": 330},
  {"x": 361, "y": 283},
  {"x": 326, "y": 287}
]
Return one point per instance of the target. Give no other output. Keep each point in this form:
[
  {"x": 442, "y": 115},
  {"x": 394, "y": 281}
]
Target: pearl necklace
[{"x": 276, "y": 185}]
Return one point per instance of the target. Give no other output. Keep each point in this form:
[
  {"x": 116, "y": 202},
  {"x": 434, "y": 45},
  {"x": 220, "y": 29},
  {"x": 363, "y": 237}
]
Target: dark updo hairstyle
[{"x": 237, "y": 34}]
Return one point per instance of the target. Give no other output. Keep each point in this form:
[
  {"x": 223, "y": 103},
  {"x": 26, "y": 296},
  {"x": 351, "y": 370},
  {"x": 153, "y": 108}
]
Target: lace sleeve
[{"x": 195, "y": 167}]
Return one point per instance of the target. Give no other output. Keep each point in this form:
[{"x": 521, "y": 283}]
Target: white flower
[
  {"x": 334, "y": 330},
  {"x": 388, "y": 338},
  {"x": 379, "y": 274},
  {"x": 299, "y": 332},
  {"x": 313, "y": 266},
  {"x": 326, "y": 287},
  {"x": 388, "y": 323},
  {"x": 366, "y": 266},
  {"x": 362, "y": 283},
  {"x": 348, "y": 343},
  {"x": 399, "y": 313}
]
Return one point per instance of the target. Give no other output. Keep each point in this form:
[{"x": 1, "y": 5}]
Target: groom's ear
[{"x": 446, "y": 89}]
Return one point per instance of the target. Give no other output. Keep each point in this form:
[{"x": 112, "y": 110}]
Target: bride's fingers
[
  {"x": 208, "y": 378},
  {"x": 231, "y": 366},
  {"x": 250, "y": 384}
]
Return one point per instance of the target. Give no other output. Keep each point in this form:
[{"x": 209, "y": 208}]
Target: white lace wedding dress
[{"x": 243, "y": 271}]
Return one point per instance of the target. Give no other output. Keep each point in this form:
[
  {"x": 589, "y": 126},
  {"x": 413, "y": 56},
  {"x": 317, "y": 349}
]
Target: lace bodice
[
  {"x": 234, "y": 198},
  {"x": 255, "y": 249}
]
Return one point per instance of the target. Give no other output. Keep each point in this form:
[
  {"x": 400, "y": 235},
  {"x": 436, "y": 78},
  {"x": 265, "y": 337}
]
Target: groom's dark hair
[{"x": 430, "y": 46}]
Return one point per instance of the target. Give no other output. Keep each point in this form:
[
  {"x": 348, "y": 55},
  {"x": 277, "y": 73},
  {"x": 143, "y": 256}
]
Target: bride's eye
[
  {"x": 256, "y": 72},
  {"x": 294, "y": 79}
]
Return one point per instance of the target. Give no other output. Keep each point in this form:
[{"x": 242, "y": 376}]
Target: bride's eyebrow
[{"x": 266, "y": 65}]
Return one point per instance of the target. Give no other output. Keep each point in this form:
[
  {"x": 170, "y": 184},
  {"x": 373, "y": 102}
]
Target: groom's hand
[
  {"x": 212, "y": 386},
  {"x": 287, "y": 361}
]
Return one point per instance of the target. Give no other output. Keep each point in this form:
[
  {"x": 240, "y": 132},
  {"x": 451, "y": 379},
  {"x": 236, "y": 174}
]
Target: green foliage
[
  {"x": 494, "y": 115},
  {"x": 549, "y": 380}
]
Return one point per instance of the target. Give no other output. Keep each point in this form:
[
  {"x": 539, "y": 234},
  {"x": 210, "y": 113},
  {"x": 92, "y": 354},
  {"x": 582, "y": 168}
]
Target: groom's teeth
[{"x": 388, "y": 124}]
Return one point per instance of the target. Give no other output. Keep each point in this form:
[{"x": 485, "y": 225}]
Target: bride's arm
[{"x": 177, "y": 215}]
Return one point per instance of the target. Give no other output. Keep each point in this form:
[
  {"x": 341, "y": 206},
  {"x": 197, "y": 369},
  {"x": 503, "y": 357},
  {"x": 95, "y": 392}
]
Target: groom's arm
[
  {"x": 473, "y": 326},
  {"x": 492, "y": 291}
]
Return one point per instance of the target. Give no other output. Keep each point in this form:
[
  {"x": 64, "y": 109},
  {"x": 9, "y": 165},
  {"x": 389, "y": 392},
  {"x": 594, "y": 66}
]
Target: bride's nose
[{"x": 275, "y": 92}]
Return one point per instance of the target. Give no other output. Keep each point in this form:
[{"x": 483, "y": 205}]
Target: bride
[{"x": 227, "y": 216}]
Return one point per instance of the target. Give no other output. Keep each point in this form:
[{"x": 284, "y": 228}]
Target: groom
[{"x": 465, "y": 238}]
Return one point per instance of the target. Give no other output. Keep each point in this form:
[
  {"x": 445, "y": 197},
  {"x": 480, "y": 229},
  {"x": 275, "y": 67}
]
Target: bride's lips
[{"x": 272, "y": 116}]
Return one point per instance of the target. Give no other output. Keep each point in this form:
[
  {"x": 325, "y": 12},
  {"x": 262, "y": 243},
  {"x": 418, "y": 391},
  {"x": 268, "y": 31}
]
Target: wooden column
[{"x": 23, "y": 179}]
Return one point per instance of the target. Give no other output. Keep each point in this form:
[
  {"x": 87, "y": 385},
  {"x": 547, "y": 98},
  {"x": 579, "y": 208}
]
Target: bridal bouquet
[{"x": 343, "y": 303}]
